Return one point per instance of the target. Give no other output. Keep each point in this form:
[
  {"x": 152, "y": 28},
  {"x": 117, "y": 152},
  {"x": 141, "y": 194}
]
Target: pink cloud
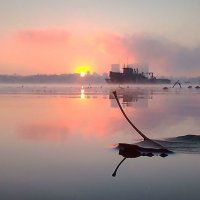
[
  {"x": 43, "y": 36},
  {"x": 61, "y": 51}
]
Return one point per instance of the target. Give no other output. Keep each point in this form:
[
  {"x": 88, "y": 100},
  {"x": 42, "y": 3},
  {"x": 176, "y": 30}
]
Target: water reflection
[
  {"x": 133, "y": 97},
  {"x": 62, "y": 118},
  {"x": 52, "y": 132},
  {"x": 158, "y": 115},
  {"x": 44, "y": 139},
  {"x": 82, "y": 93}
]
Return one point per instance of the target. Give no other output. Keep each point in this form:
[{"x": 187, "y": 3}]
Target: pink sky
[
  {"x": 61, "y": 51},
  {"x": 57, "y": 37}
]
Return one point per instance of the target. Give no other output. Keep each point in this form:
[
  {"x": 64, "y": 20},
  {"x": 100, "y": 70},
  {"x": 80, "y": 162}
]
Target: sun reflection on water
[{"x": 82, "y": 93}]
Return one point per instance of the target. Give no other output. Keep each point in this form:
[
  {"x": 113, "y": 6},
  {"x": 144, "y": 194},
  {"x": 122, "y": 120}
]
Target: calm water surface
[{"x": 57, "y": 142}]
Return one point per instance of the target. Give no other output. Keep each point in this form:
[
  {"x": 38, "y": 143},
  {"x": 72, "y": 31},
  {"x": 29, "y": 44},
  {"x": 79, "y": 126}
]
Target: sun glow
[{"x": 82, "y": 70}]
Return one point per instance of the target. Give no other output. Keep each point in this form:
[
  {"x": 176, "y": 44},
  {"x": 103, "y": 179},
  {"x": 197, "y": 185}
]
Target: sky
[{"x": 61, "y": 36}]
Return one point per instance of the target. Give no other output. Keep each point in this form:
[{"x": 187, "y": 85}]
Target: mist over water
[{"x": 57, "y": 142}]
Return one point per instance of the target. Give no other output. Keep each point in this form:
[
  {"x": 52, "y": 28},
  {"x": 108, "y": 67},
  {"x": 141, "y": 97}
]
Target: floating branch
[{"x": 141, "y": 134}]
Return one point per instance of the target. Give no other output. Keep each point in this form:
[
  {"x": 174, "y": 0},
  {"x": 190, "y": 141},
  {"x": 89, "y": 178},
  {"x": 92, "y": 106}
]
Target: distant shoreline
[{"x": 74, "y": 79}]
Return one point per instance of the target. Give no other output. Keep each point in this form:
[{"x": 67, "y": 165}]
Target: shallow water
[{"x": 57, "y": 142}]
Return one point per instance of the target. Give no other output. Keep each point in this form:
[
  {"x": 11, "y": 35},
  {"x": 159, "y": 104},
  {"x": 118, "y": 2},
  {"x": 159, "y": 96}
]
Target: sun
[
  {"x": 82, "y": 70},
  {"x": 82, "y": 74}
]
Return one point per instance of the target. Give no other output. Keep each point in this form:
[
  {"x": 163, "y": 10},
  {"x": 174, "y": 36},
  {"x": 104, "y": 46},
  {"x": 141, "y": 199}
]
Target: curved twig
[{"x": 141, "y": 134}]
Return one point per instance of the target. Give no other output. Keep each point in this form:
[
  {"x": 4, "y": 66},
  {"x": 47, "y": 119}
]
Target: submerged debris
[
  {"x": 165, "y": 88},
  {"x": 177, "y": 82}
]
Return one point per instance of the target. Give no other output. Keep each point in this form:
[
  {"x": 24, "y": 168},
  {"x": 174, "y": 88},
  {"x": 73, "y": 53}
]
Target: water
[{"x": 58, "y": 142}]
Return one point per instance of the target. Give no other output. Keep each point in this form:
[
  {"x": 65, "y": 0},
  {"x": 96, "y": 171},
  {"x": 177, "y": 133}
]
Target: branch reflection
[
  {"x": 130, "y": 97},
  {"x": 187, "y": 144}
]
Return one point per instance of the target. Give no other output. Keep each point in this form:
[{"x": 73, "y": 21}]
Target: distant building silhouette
[{"x": 115, "y": 67}]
